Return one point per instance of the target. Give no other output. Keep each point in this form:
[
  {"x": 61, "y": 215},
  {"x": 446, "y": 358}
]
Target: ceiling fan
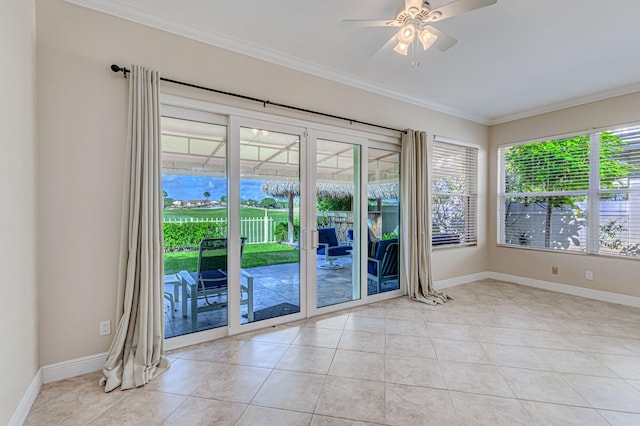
[{"x": 414, "y": 17}]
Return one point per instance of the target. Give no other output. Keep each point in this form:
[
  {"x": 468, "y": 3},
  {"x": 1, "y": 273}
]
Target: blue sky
[{"x": 181, "y": 187}]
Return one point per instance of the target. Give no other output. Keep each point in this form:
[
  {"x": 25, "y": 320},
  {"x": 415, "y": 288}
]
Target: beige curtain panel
[
  {"x": 416, "y": 219},
  {"x": 136, "y": 353}
]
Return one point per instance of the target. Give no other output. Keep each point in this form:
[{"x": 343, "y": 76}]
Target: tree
[
  {"x": 166, "y": 200},
  {"x": 268, "y": 203},
  {"x": 562, "y": 165},
  {"x": 223, "y": 200},
  {"x": 206, "y": 195},
  {"x": 334, "y": 204}
]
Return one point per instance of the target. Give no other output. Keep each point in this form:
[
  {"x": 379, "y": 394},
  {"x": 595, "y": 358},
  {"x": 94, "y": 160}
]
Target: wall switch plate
[
  {"x": 105, "y": 328},
  {"x": 588, "y": 275},
  {"x": 554, "y": 270}
]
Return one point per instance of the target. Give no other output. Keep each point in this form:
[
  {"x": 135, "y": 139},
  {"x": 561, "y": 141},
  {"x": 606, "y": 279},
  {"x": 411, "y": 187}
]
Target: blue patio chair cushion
[
  {"x": 335, "y": 251},
  {"x": 328, "y": 236},
  {"x": 372, "y": 267},
  {"x": 339, "y": 251}
]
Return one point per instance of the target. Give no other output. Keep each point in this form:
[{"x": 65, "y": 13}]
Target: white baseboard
[
  {"x": 603, "y": 296},
  {"x": 193, "y": 339},
  {"x": 73, "y": 367},
  {"x": 27, "y": 400},
  {"x": 465, "y": 279}
]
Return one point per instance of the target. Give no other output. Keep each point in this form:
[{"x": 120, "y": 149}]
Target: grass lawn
[
  {"x": 222, "y": 213},
  {"x": 254, "y": 255}
]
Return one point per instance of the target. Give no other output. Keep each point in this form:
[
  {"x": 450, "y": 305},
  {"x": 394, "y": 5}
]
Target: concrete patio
[{"x": 273, "y": 285}]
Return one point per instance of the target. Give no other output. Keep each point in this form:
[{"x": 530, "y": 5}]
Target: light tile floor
[{"x": 499, "y": 354}]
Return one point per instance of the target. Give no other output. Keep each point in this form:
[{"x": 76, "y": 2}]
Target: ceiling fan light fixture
[
  {"x": 407, "y": 34},
  {"x": 401, "y": 48},
  {"x": 427, "y": 38},
  {"x": 413, "y": 18}
]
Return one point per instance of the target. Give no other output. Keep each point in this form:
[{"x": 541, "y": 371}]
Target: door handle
[{"x": 314, "y": 239}]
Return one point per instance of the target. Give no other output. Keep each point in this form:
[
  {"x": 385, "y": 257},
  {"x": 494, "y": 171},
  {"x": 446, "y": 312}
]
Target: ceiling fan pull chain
[{"x": 415, "y": 62}]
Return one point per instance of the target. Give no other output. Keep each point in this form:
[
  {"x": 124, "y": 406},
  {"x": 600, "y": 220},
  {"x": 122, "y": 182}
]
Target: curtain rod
[{"x": 116, "y": 68}]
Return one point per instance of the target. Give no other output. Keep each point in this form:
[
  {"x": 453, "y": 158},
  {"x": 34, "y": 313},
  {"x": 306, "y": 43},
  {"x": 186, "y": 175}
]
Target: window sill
[
  {"x": 578, "y": 253},
  {"x": 452, "y": 246}
]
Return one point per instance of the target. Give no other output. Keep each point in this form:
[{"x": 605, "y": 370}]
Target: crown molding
[
  {"x": 122, "y": 9},
  {"x": 581, "y": 100},
  {"x": 129, "y": 12}
]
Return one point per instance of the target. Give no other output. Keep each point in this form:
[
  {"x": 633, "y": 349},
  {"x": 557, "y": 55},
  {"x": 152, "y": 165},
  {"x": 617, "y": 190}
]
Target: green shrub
[
  {"x": 187, "y": 236},
  {"x": 281, "y": 231}
]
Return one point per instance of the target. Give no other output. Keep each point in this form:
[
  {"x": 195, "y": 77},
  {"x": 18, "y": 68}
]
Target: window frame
[
  {"x": 593, "y": 193},
  {"x": 470, "y": 234}
]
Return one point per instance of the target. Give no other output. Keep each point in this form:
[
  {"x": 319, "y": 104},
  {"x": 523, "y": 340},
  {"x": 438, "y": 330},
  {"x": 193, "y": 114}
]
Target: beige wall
[
  {"x": 610, "y": 274},
  {"x": 81, "y": 139},
  {"x": 18, "y": 303}
]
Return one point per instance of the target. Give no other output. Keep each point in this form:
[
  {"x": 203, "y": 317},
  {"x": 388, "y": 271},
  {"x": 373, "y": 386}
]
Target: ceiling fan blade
[
  {"x": 368, "y": 23},
  {"x": 387, "y": 46},
  {"x": 444, "y": 41},
  {"x": 458, "y": 7}
]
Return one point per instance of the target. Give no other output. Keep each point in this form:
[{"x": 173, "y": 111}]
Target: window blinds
[
  {"x": 578, "y": 194},
  {"x": 454, "y": 193}
]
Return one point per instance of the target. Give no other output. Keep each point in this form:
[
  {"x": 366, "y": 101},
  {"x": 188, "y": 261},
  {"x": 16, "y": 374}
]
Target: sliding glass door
[
  {"x": 269, "y": 217},
  {"x": 266, "y": 223},
  {"x": 383, "y": 220},
  {"x": 195, "y": 189},
  {"x": 338, "y": 230}
]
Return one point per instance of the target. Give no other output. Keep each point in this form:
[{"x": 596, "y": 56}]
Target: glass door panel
[
  {"x": 269, "y": 223},
  {"x": 383, "y": 221},
  {"x": 194, "y": 188},
  {"x": 338, "y": 222}
]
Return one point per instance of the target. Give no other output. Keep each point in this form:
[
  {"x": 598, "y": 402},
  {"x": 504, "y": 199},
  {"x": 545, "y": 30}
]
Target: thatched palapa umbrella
[
  {"x": 287, "y": 189},
  {"x": 283, "y": 189}
]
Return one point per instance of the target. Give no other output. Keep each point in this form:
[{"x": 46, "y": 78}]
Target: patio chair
[
  {"x": 209, "y": 282},
  {"x": 372, "y": 243},
  {"x": 329, "y": 248},
  {"x": 383, "y": 267}
]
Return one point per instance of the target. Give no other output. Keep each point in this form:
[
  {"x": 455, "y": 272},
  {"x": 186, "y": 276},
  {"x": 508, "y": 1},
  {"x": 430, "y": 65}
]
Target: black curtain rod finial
[{"x": 117, "y": 68}]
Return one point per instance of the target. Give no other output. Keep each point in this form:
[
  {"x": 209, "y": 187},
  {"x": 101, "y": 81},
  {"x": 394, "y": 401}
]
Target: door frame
[
  {"x": 233, "y": 118},
  {"x": 233, "y": 161},
  {"x": 361, "y": 142}
]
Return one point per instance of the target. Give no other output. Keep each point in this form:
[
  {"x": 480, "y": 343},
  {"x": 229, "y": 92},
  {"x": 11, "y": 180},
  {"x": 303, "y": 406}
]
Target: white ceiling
[{"x": 513, "y": 59}]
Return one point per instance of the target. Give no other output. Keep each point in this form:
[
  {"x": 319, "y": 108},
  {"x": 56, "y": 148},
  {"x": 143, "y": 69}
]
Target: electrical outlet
[
  {"x": 105, "y": 328},
  {"x": 588, "y": 275},
  {"x": 554, "y": 270}
]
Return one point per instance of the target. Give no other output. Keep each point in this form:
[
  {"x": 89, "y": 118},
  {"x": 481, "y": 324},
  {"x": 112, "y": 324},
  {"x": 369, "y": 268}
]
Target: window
[
  {"x": 454, "y": 193},
  {"x": 580, "y": 193}
]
